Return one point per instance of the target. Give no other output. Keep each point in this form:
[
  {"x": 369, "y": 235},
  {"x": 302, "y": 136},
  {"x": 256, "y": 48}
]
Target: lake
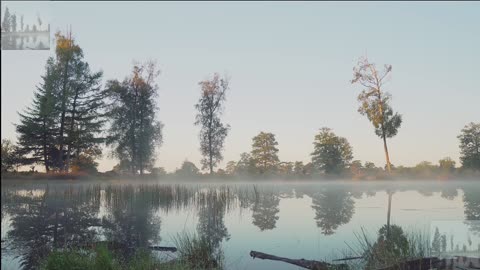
[
  {"x": 297, "y": 220},
  {"x": 26, "y": 41}
]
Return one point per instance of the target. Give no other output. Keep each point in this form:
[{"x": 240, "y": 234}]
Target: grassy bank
[{"x": 193, "y": 252}]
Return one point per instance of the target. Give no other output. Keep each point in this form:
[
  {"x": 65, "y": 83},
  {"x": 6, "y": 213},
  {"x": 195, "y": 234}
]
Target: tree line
[
  {"x": 10, "y": 24},
  {"x": 72, "y": 116}
]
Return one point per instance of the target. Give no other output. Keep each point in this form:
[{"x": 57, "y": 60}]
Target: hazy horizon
[{"x": 290, "y": 66}]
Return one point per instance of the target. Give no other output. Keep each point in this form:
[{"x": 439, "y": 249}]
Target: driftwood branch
[
  {"x": 160, "y": 248},
  {"x": 348, "y": 259},
  {"x": 308, "y": 264}
]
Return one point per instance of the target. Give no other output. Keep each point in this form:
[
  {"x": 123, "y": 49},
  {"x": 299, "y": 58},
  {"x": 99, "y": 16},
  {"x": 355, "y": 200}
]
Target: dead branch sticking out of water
[
  {"x": 348, "y": 259},
  {"x": 308, "y": 264},
  {"x": 160, "y": 248}
]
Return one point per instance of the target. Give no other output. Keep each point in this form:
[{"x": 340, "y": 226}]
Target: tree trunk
[
  {"x": 134, "y": 122},
  {"x": 388, "y": 214},
  {"x": 70, "y": 137},
  {"x": 62, "y": 119},
  {"x": 211, "y": 162},
  {"x": 210, "y": 151},
  {"x": 387, "y": 157},
  {"x": 308, "y": 264},
  {"x": 45, "y": 155},
  {"x": 55, "y": 230}
]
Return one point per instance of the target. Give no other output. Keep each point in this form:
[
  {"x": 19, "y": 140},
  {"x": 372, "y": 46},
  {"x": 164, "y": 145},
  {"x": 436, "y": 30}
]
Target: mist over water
[
  {"x": 297, "y": 220},
  {"x": 26, "y": 41}
]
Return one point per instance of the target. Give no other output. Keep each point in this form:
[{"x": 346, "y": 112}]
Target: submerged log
[
  {"x": 349, "y": 258},
  {"x": 160, "y": 248},
  {"x": 308, "y": 264}
]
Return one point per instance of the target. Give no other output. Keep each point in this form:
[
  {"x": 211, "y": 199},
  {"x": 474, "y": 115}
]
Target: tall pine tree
[
  {"x": 67, "y": 116},
  {"x": 38, "y": 124}
]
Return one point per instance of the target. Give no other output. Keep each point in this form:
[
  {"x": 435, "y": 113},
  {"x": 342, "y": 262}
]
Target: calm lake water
[
  {"x": 26, "y": 41},
  {"x": 296, "y": 220}
]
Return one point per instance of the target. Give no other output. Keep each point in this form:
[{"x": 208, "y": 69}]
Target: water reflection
[
  {"x": 38, "y": 218},
  {"x": 449, "y": 193},
  {"x": 56, "y": 218},
  {"x": 265, "y": 210},
  {"x": 471, "y": 198},
  {"x": 26, "y": 41},
  {"x": 333, "y": 207},
  {"x": 130, "y": 220},
  {"x": 212, "y": 206}
]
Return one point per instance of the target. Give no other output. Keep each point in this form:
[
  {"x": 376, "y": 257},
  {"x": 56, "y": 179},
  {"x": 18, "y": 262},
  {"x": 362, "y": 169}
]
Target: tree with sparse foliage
[
  {"x": 298, "y": 168},
  {"x": 375, "y": 102},
  {"x": 7, "y": 21},
  {"x": 332, "y": 154},
  {"x": 265, "y": 152},
  {"x": 85, "y": 161},
  {"x": 231, "y": 168},
  {"x": 188, "y": 169},
  {"x": 14, "y": 23},
  {"x": 39, "y": 22},
  {"x": 447, "y": 164},
  {"x": 213, "y": 132},
  {"x": 135, "y": 132},
  {"x": 470, "y": 146},
  {"x": 158, "y": 171},
  {"x": 246, "y": 165},
  {"x": 437, "y": 242},
  {"x": 21, "y": 23},
  {"x": 8, "y": 153}
]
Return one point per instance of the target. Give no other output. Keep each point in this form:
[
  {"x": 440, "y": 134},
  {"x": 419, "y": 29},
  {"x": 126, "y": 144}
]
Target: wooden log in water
[
  {"x": 308, "y": 264},
  {"x": 348, "y": 258},
  {"x": 159, "y": 248}
]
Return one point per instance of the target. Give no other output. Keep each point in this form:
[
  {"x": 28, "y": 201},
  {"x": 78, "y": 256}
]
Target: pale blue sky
[{"x": 290, "y": 64}]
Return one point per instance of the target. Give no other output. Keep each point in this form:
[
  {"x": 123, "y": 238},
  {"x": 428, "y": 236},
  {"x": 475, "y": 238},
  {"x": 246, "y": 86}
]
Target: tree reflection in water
[
  {"x": 212, "y": 205},
  {"x": 77, "y": 215},
  {"x": 333, "y": 207},
  {"x": 265, "y": 210},
  {"x": 449, "y": 193},
  {"x": 56, "y": 218},
  {"x": 130, "y": 221},
  {"x": 471, "y": 199}
]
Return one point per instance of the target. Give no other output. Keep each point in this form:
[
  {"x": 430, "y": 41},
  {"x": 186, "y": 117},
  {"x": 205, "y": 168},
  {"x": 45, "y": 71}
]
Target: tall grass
[
  {"x": 193, "y": 253},
  {"x": 104, "y": 259},
  {"x": 382, "y": 252},
  {"x": 197, "y": 252}
]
